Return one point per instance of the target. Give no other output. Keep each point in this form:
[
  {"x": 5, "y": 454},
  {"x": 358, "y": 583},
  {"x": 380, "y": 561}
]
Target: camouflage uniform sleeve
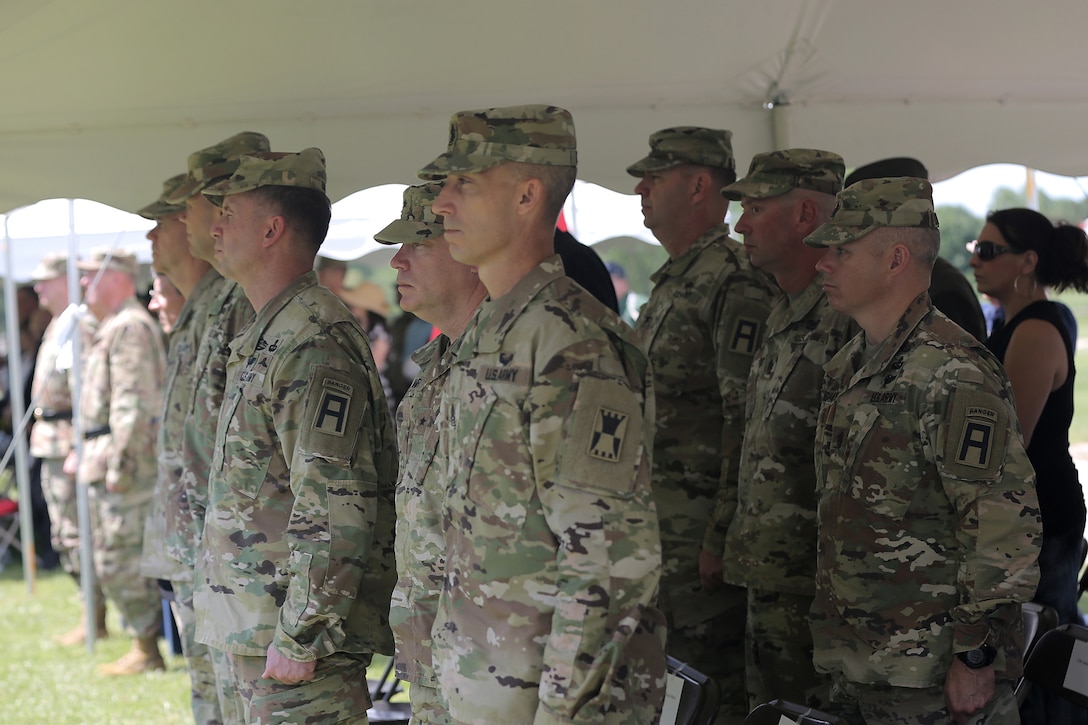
[
  {"x": 336, "y": 437},
  {"x": 136, "y": 363},
  {"x": 739, "y": 320},
  {"x": 986, "y": 474},
  {"x": 590, "y": 435}
]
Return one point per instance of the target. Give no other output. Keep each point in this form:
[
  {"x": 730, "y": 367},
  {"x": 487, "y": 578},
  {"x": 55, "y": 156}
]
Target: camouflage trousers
[
  {"x": 337, "y": 694},
  {"x": 778, "y": 651},
  {"x": 117, "y": 522},
  {"x": 428, "y": 707},
  {"x": 59, "y": 490},
  {"x": 204, "y": 691},
  {"x": 714, "y": 646},
  {"x": 858, "y": 704}
]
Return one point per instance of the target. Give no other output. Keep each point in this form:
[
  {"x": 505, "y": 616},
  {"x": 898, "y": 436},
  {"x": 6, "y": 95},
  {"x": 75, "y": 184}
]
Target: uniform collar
[
  {"x": 680, "y": 265},
  {"x": 495, "y": 317}
]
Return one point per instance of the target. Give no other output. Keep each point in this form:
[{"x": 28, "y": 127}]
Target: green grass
[{"x": 49, "y": 684}]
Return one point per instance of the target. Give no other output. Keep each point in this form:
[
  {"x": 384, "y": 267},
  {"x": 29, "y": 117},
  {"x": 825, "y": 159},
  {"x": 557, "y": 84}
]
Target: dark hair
[
  {"x": 1062, "y": 249},
  {"x": 307, "y": 211}
]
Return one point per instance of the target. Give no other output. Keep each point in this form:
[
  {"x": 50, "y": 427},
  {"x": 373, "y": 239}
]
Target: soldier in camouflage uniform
[
  {"x": 700, "y": 328},
  {"x": 552, "y": 550},
  {"x": 194, "y": 279},
  {"x": 51, "y": 437},
  {"x": 928, "y": 520},
  {"x": 446, "y": 294},
  {"x": 121, "y": 398},
  {"x": 769, "y": 546},
  {"x": 296, "y": 567},
  {"x": 220, "y": 311}
]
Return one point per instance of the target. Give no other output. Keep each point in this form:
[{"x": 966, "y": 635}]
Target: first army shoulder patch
[
  {"x": 335, "y": 409},
  {"x": 978, "y": 429},
  {"x": 332, "y": 412}
]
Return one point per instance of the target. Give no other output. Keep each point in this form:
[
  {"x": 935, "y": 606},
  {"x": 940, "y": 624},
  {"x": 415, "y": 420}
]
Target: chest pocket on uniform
[
  {"x": 243, "y": 453},
  {"x": 498, "y": 465},
  {"x": 874, "y": 471}
]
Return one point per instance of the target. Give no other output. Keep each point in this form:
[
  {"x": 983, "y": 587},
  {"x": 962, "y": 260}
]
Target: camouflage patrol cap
[
  {"x": 417, "y": 222},
  {"x": 118, "y": 260},
  {"x": 162, "y": 207},
  {"x": 51, "y": 266},
  {"x": 481, "y": 139},
  {"x": 304, "y": 170},
  {"x": 687, "y": 145},
  {"x": 777, "y": 172},
  {"x": 900, "y": 201},
  {"x": 213, "y": 163}
]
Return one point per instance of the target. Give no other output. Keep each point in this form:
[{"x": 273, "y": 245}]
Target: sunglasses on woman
[{"x": 988, "y": 250}]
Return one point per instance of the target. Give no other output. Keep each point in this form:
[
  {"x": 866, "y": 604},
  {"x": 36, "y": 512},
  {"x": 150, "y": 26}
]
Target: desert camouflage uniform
[
  {"x": 703, "y": 323},
  {"x": 51, "y": 437},
  {"x": 121, "y": 402},
  {"x": 420, "y": 546},
  {"x": 298, "y": 536},
  {"x": 928, "y": 520},
  {"x": 553, "y": 554},
  {"x": 770, "y": 548}
]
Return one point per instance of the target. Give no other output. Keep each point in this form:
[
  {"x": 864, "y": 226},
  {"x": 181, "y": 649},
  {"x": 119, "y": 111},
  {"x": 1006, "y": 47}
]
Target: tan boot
[
  {"x": 143, "y": 657},
  {"x": 78, "y": 635}
]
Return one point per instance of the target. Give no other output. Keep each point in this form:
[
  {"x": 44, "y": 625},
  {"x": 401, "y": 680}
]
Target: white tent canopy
[{"x": 103, "y": 100}]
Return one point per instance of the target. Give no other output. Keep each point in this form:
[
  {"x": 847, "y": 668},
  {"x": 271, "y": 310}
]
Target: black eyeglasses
[{"x": 989, "y": 250}]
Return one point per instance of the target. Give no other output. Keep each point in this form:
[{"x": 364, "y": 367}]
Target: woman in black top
[{"x": 1017, "y": 256}]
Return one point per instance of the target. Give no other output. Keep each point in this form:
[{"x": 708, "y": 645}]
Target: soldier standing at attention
[
  {"x": 548, "y": 614},
  {"x": 220, "y": 311},
  {"x": 193, "y": 277},
  {"x": 52, "y": 435},
  {"x": 121, "y": 398},
  {"x": 702, "y": 325},
  {"x": 446, "y": 294},
  {"x": 297, "y": 562},
  {"x": 928, "y": 520},
  {"x": 770, "y": 547}
]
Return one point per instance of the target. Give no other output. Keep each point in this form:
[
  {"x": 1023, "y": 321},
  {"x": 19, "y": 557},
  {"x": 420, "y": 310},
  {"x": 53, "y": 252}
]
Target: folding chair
[
  {"x": 1038, "y": 620},
  {"x": 1059, "y": 663},
  {"x": 9, "y": 522},
  {"x": 780, "y": 711},
  {"x": 381, "y": 692},
  {"x": 691, "y": 698}
]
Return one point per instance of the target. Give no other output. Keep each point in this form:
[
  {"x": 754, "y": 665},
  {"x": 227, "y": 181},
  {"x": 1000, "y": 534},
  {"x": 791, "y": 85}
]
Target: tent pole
[
  {"x": 83, "y": 508},
  {"x": 17, "y": 408},
  {"x": 780, "y": 125}
]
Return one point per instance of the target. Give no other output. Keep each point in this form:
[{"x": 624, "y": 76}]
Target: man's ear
[
  {"x": 529, "y": 195},
  {"x": 275, "y": 226},
  {"x": 898, "y": 258}
]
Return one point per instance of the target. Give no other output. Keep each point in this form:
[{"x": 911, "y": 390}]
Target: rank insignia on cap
[{"x": 606, "y": 441}]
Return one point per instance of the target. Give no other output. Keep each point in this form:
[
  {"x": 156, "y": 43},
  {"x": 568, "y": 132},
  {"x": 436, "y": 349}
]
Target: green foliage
[
  {"x": 1073, "y": 211},
  {"x": 958, "y": 227},
  {"x": 638, "y": 259}
]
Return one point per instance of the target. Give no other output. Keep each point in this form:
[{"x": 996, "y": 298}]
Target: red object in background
[{"x": 561, "y": 223}]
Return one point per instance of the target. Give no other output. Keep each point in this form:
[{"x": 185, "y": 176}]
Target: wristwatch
[{"x": 978, "y": 658}]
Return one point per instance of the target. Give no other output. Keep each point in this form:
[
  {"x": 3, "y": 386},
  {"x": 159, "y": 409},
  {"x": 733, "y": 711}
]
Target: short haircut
[
  {"x": 556, "y": 180},
  {"x": 924, "y": 243},
  {"x": 307, "y": 211}
]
